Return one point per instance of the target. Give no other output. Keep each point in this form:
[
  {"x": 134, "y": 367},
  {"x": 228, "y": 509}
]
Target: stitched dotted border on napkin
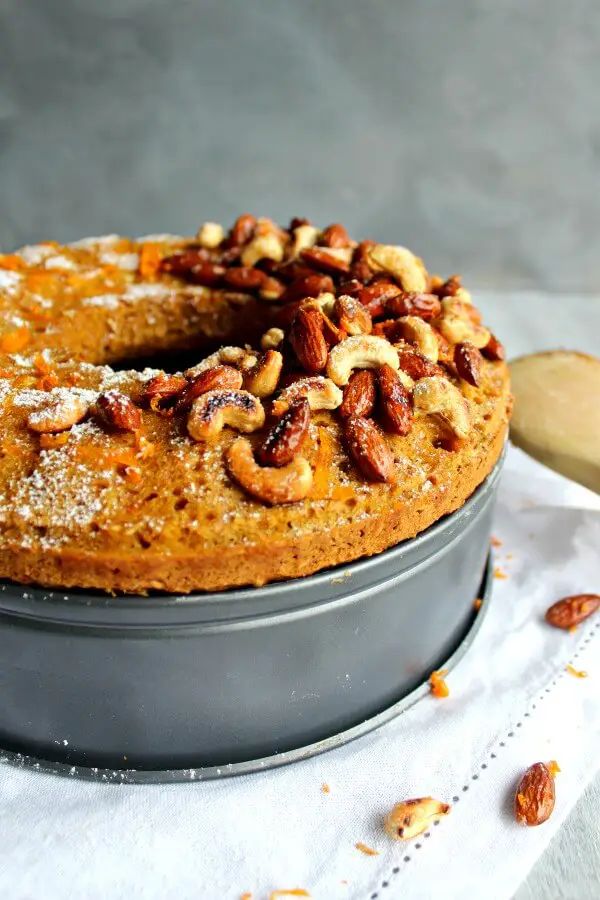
[{"x": 375, "y": 895}]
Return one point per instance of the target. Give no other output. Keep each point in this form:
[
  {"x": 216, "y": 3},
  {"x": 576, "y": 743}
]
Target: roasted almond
[
  {"x": 284, "y": 440},
  {"x": 412, "y": 817},
  {"x": 352, "y": 316},
  {"x": 118, "y": 411},
  {"x": 207, "y": 274},
  {"x": 369, "y": 449},
  {"x": 571, "y": 611},
  {"x": 219, "y": 378},
  {"x": 308, "y": 286},
  {"x": 161, "y": 389},
  {"x": 469, "y": 363},
  {"x": 494, "y": 350},
  {"x": 271, "y": 289},
  {"x": 332, "y": 334},
  {"x": 244, "y": 278},
  {"x": 324, "y": 260},
  {"x": 396, "y": 409},
  {"x": 242, "y": 231},
  {"x": 351, "y": 288},
  {"x": 180, "y": 264},
  {"x": 359, "y": 395},
  {"x": 335, "y": 236},
  {"x": 308, "y": 341},
  {"x": 415, "y": 364},
  {"x": 535, "y": 795},
  {"x": 376, "y": 295},
  {"x": 425, "y": 306},
  {"x": 450, "y": 287}
]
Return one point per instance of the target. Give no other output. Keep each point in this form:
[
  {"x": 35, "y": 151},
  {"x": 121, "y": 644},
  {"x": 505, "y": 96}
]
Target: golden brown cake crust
[{"x": 94, "y": 506}]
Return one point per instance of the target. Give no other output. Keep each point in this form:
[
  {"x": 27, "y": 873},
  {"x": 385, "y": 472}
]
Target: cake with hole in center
[{"x": 325, "y": 399}]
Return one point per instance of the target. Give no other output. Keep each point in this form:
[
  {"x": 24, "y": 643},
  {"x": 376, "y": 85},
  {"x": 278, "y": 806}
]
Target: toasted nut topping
[
  {"x": 228, "y": 356},
  {"x": 412, "y": 817},
  {"x": 454, "y": 306},
  {"x": 223, "y": 378},
  {"x": 571, "y": 611},
  {"x": 242, "y": 231},
  {"x": 420, "y": 334},
  {"x": 437, "y": 396},
  {"x": 263, "y": 378},
  {"x": 469, "y": 363},
  {"x": 335, "y": 236},
  {"x": 64, "y": 410},
  {"x": 448, "y": 288},
  {"x": 271, "y": 290},
  {"x": 425, "y": 306},
  {"x": 494, "y": 349},
  {"x": 360, "y": 352},
  {"x": 534, "y": 798},
  {"x": 308, "y": 286},
  {"x": 304, "y": 237},
  {"x": 368, "y": 447},
  {"x": 415, "y": 364},
  {"x": 307, "y": 339},
  {"x": 284, "y": 440},
  {"x": 329, "y": 260},
  {"x": 193, "y": 266},
  {"x": 244, "y": 278},
  {"x": 376, "y": 296},
  {"x": 353, "y": 317},
  {"x": 265, "y": 246},
  {"x": 403, "y": 265},
  {"x": 457, "y": 330},
  {"x": 324, "y": 301},
  {"x": 212, "y": 411},
  {"x": 395, "y": 401},
  {"x": 118, "y": 411},
  {"x": 272, "y": 339},
  {"x": 320, "y": 392},
  {"x": 359, "y": 395},
  {"x": 161, "y": 389},
  {"x": 210, "y": 235},
  {"x": 288, "y": 484}
]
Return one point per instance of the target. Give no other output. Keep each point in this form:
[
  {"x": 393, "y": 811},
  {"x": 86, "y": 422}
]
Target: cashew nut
[
  {"x": 264, "y": 246},
  {"x": 418, "y": 332},
  {"x": 439, "y": 397},
  {"x": 320, "y": 392},
  {"x": 226, "y": 356},
  {"x": 362, "y": 351},
  {"x": 287, "y": 484},
  {"x": 272, "y": 339},
  {"x": 212, "y": 411},
  {"x": 65, "y": 409},
  {"x": 456, "y": 306},
  {"x": 406, "y": 268},
  {"x": 262, "y": 379},
  {"x": 305, "y": 237},
  {"x": 210, "y": 235},
  {"x": 458, "y": 329},
  {"x": 325, "y": 302}
]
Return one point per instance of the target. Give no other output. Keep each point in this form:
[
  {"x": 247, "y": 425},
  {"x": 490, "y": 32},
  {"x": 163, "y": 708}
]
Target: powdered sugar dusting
[{"x": 10, "y": 282}]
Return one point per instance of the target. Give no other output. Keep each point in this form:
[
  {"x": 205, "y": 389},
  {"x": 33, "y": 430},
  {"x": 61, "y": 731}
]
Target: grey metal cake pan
[{"x": 214, "y": 682}]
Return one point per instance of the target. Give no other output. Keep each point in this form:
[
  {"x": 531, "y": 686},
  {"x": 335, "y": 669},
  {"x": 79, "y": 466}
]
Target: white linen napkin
[{"x": 512, "y": 703}]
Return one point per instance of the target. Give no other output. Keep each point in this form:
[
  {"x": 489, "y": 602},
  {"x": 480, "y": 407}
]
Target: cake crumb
[
  {"x": 498, "y": 573},
  {"x": 325, "y": 789},
  {"x": 477, "y": 604},
  {"x": 368, "y": 851},
  {"x": 495, "y": 542}
]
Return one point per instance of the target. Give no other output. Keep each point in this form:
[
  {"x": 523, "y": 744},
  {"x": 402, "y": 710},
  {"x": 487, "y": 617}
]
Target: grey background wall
[{"x": 467, "y": 129}]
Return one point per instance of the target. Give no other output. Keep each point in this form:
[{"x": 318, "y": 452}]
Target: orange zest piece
[
  {"x": 150, "y": 259},
  {"x": 292, "y": 892},
  {"x": 246, "y": 896},
  {"x": 12, "y": 262},
  {"x": 439, "y": 688},
  {"x": 47, "y": 382},
  {"x": 133, "y": 476},
  {"x": 368, "y": 851},
  {"x": 577, "y": 673},
  {"x": 343, "y": 492},
  {"x": 15, "y": 340},
  {"x": 477, "y": 604},
  {"x": 320, "y": 488},
  {"x": 498, "y": 573},
  {"x": 143, "y": 447},
  {"x": 51, "y": 441},
  {"x": 495, "y": 542},
  {"x": 325, "y": 789},
  {"x": 41, "y": 366},
  {"x": 553, "y": 767}
]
